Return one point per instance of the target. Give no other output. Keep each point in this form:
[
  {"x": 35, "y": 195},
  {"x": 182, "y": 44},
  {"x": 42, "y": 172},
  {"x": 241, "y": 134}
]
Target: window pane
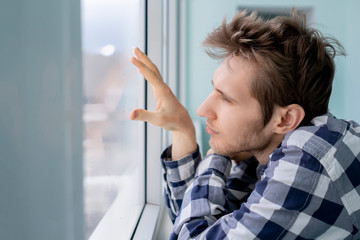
[{"x": 113, "y": 145}]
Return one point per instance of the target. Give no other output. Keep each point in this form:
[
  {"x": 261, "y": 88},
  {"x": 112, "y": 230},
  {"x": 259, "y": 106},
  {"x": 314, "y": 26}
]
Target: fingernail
[{"x": 134, "y": 115}]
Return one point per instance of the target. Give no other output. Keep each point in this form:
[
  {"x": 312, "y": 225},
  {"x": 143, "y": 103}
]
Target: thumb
[{"x": 142, "y": 115}]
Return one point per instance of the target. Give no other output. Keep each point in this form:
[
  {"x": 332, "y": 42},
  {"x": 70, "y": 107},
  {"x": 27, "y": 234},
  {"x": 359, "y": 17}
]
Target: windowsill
[
  {"x": 120, "y": 220},
  {"x": 147, "y": 228}
]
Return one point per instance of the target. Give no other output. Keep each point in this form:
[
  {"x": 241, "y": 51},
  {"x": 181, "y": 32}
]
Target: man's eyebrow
[{"x": 222, "y": 93}]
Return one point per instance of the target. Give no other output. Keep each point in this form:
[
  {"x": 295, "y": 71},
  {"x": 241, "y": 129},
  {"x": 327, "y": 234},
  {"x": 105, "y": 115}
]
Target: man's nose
[{"x": 206, "y": 108}]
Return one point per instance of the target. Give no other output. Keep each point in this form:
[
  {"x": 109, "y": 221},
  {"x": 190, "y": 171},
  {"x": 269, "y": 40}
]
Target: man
[{"x": 297, "y": 172}]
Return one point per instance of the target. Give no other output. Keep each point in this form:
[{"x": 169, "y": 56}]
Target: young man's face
[{"x": 234, "y": 118}]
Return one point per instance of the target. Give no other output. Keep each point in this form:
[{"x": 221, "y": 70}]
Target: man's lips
[{"x": 210, "y": 130}]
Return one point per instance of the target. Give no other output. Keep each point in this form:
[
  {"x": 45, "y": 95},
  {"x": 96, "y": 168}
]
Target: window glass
[{"x": 113, "y": 145}]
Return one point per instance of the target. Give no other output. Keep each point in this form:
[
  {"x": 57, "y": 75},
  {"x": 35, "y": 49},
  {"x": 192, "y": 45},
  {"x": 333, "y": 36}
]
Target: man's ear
[{"x": 288, "y": 118}]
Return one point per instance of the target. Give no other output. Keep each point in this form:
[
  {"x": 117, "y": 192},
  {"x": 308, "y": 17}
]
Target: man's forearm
[
  {"x": 184, "y": 143},
  {"x": 178, "y": 175},
  {"x": 205, "y": 198}
]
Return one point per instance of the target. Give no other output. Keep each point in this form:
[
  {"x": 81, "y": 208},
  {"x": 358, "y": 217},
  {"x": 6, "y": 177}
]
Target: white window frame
[
  {"x": 113, "y": 226},
  {"x": 150, "y": 217},
  {"x": 163, "y": 49}
]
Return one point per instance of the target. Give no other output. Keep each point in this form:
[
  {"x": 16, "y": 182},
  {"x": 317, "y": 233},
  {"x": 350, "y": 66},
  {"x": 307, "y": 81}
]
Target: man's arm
[
  {"x": 273, "y": 210},
  {"x": 178, "y": 175}
]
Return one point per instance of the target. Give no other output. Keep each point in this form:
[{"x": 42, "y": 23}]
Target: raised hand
[{"x": 169, "y": 114}]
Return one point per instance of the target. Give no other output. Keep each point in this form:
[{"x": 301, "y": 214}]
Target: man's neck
[{"x": 263, "y": 156}]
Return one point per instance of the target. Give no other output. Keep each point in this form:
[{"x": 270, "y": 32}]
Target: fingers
[
  {"x": 152, "y": 77},
  {"x": 240, "y": 156},
  {"x": 142, "y": 57},
  {"x": 210, "y": 151},
  {"x": 143, "y": 115}
]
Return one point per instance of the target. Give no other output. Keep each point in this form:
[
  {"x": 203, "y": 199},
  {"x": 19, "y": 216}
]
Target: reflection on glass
[{"x": 113, "y": 145}]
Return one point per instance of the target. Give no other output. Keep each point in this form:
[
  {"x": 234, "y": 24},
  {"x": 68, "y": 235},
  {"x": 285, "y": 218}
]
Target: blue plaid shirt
[{"x": 310, "y": 188}]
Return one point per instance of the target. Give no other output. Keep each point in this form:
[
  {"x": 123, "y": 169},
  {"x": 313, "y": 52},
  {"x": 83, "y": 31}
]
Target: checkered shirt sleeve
[{"x": 177, "y": 175}]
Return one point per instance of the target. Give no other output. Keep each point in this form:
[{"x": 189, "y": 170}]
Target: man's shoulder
[{"x": 324, "y": 134}]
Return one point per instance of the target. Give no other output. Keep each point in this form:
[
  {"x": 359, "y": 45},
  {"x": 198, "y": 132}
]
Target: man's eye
[{"x": 225, "y": 99}]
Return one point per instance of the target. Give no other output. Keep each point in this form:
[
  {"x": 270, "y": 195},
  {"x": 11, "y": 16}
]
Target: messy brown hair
[{"x": 295, "y": 63}]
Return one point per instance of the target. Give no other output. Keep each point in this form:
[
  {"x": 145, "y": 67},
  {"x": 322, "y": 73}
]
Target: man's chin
[{"x": 217, "y": 149}]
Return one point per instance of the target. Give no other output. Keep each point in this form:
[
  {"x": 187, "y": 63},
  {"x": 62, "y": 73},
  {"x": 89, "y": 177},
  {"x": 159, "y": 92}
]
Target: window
[{"x": 114, "y": 146}]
